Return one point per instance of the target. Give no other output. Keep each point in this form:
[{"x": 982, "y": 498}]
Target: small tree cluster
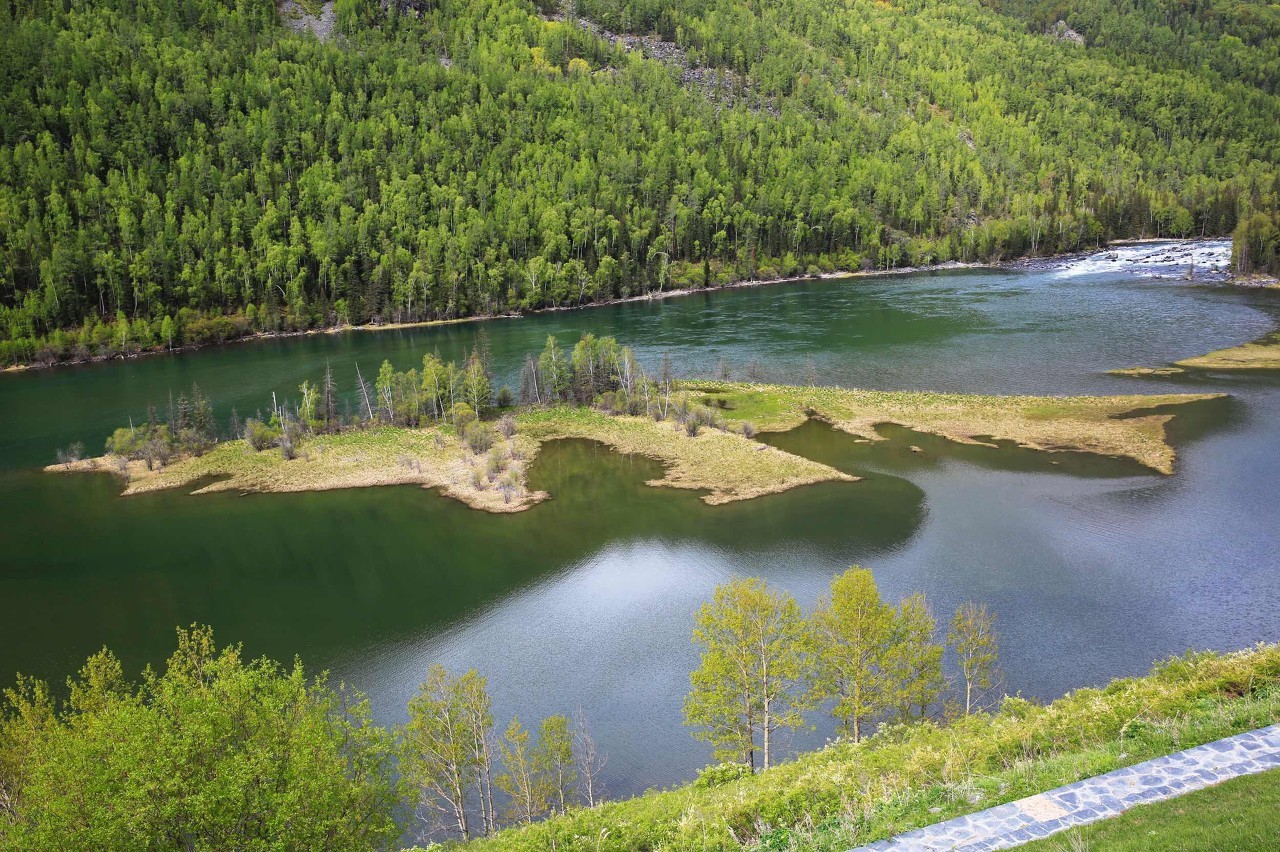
[
  {"x": 460, "y": 768},
  {"x": 764, "y": 664},
  {"x": 188, "y": 430}
]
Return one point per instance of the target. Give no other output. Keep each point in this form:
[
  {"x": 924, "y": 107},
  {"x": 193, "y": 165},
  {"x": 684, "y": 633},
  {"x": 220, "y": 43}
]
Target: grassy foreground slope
[
  {"x": 1235, "y": 816},
  {"x": 906, "y": 777}
]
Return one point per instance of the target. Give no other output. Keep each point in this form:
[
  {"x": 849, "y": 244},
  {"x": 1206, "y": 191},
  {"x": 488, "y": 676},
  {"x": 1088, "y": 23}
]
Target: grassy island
[
  {"x": 727, "y": 465},
  {"x": 421, "y": 428},
  {"x": 1261, "y": 354}
]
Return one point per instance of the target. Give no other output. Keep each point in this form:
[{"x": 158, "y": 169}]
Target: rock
[{"x": 1062, "y": 32}]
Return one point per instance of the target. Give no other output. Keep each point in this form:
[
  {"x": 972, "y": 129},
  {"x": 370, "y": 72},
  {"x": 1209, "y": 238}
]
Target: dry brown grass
[
  {"x": 1101, "y": 425},
  {"x": 725, "y": 464},
  {"x": 432, "y": 458}
]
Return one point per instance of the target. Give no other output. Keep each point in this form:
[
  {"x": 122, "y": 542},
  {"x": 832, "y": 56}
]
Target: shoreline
[{"x": 1026, "y": 263}]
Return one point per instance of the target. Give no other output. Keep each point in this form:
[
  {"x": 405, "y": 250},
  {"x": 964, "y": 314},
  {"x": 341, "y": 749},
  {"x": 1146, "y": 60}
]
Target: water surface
[{"x": 1094, "y": 566}]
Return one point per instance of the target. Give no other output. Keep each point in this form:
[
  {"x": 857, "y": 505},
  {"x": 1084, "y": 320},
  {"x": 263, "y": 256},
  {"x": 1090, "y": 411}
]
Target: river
[{"x": 1094, "y": 567}]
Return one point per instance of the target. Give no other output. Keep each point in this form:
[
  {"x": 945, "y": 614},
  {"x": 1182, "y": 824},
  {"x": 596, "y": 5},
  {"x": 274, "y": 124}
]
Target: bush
[
  {"x": 478, "y": 436},
  {"x": 720, "y": 774},
  {"x": 260, "y": 435},
  {"x": 507, "y": 425},
  {"x": 218, "y": 751},
  {"x": 461, "y": 415}
]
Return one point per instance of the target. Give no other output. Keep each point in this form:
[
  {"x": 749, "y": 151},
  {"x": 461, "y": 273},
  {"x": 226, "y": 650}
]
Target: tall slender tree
[
  {"x": 853, "y": 628},
  {"x": 755, "y": 650}
]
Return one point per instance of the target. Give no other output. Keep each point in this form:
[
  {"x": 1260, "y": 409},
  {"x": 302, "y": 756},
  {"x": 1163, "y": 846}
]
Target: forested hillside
[{"x": 185, "y": 171}]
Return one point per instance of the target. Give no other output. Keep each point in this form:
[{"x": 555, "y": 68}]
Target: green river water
[{"x": 1094, "y": 566}]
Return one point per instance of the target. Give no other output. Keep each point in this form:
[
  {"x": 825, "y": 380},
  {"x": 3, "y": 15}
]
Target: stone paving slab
[{"x": 1096, "y": 798}]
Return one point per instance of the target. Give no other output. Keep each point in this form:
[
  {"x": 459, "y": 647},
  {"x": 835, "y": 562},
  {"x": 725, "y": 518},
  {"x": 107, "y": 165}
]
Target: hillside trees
[
  {"x": 187, "y": 173},
  {"x": 755, "y": 649},
  {"x": 867, "y": 660}
]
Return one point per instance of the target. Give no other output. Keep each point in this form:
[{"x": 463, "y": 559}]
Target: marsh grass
[
  {"x": 726, "y": 465},
  {"x": 1101, "y": 425},
  {"x": 723, "y": 462},
  {"x": 1261, "y": 354}
]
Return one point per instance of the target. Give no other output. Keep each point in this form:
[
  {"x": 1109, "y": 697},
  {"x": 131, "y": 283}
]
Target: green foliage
[
  {"x": 179, "y": 173},
  {"x": 907, "y": 776},
  {"x": 854, "y": 629},
  {"x": 972, "y": 636},
  {"x": 214, "y": 753},
  {"x": 445, "y": 751},
  {"x": 754, "y": 659}
]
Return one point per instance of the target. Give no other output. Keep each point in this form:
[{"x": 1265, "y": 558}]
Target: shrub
[
  {"x": 478, "y": 436},
  {"x": 720, "y": 774},
  {"x": 260, "y": 435},
  {"x": 506, "y": 425}
]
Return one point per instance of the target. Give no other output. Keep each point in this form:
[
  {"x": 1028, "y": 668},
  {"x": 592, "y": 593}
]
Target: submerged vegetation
[
  {"x": 1261, "y": 354},
  {"x": 181, "y": 173}
]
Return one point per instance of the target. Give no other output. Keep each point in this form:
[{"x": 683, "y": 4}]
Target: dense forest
[{"x": 188, "y": 172}]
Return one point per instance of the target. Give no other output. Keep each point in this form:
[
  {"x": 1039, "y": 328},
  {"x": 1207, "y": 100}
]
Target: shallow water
[{"x": 1094, "y": 566}]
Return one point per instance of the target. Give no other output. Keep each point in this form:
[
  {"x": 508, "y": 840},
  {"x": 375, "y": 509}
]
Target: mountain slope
[{"x": 191, "y": 171}]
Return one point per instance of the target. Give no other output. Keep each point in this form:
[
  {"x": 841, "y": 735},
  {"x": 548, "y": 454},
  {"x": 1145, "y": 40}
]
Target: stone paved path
[{"x": 1096, "y": 798}]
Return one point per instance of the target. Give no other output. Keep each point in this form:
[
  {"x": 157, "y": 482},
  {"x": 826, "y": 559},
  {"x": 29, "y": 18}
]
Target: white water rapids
[{"x": 1166, "y": 259}]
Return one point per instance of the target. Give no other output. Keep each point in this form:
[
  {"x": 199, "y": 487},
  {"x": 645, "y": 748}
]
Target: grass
[
  {"x": 1262, "y": 354},
  {"x": 1110, "y": 426},
  {"x": 906, "y": 777},
  {"x": 1239, "y": 814},
  {"x": 725, "y": 464}
]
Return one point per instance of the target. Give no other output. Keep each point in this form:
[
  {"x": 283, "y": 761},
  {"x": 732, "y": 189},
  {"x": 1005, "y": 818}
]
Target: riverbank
[
  {"x": 849, "y": 794},
  {"x": 725, "y": 463},
  {"x": 1023, "y": 263}
]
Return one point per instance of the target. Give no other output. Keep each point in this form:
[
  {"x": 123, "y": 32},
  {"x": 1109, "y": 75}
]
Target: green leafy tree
[
  {"x": 448, "y": 720},
  {"x": 853, "y": 628},
  {"x": 215, "y": 752},
  {"x": 755, "y": 651},
  {"x": 972, "y": 635},
  {"x": 913, "y": 663}
]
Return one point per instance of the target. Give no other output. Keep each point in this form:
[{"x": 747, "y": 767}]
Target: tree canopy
[{"x": 188, "y": 172}]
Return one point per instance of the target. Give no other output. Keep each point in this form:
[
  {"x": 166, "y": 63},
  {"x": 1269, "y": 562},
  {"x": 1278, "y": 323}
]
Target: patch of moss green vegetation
[
  {"x": 905, "y": 777},
  {"x": 1111, "y": 426},
  {"x": 1262, "y": 354},
  {"x": 1236, "y": 815}
]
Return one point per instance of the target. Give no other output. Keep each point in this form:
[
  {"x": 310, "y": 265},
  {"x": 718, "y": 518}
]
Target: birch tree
[
  {"x": 853, "y": 628},
  {"x": 973, "y": 637},
  {"x": 754, "y": 661}
]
